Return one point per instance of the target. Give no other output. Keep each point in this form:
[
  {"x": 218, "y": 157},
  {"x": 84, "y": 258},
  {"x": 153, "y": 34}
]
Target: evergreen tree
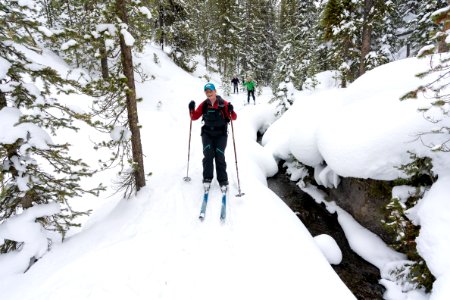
[
  {"x": 307, "y": 56},
  {"x": 284, "y": 78},
  {"x": 26, "y": 99},
  {"x": 126, "y": 43},
  {"x": 203, "y": 19},
  {"x": 436, "y": 88},
  {"x": 417, "y": 22},
  {"x": 340, "y": 29},
  {"x": 251, "y": 35},
  {"x": 377, "y": 34},
  {"x": 413, "y": 273},
  {"x": 225, "y": 38},
  {"x": 115, "y": 95},
  {"x": 265, "y": 47},
  {"x": 176, "y": 29}
]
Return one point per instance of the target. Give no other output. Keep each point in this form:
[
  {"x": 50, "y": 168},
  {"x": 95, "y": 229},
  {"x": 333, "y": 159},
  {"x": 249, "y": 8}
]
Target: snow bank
[
  {"x": 12, "y": 131},
  {"x": 24, "y": 228},
  {"x": 329, "y": 248},
  {"x": 352, "y": 129},
  {"x": 365, "y": 131}
]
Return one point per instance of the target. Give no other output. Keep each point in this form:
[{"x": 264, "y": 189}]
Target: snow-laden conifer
[{"x": 34, "y": 169}]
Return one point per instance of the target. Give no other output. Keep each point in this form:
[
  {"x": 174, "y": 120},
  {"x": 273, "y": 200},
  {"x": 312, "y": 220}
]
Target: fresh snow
[
  {"x": 329, "y": 248},
  {"x": 154, "y": 247},
  {"x": 68, "y": 44},
  {"x": 24, "y": 228},
  {"x": 129, "y": 39},
  {"x": 4, "y": 67},
  {"x": 365, "y": 131}
]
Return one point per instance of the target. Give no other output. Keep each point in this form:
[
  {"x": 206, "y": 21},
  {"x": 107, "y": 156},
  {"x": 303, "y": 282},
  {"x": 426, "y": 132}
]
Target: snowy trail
[{"x": 154, "y": 246}]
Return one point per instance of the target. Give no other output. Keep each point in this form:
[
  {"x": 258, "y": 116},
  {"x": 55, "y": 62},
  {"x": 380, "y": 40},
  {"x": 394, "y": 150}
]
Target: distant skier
[
  {"x": 235, "y": 81},
  {"x": 250, "y": 84},
  {"x": 216, "y": 114}
]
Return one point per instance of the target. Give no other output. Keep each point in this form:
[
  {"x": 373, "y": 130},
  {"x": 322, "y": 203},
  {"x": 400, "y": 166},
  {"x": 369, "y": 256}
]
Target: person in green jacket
[{"x": 250, "y": 85}]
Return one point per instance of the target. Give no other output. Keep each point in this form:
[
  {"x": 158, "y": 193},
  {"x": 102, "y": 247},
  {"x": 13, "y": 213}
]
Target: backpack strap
[{"x": 222, "y": 108}]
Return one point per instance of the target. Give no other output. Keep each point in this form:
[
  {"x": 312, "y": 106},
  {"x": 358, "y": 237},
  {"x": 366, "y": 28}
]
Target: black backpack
[{"x": 214, "y": 120}]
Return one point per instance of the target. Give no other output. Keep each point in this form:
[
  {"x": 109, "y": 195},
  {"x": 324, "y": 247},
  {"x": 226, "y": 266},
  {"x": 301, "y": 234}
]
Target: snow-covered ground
[
  {"x": 154, "y": 247},
  {"x": 364, "y": 131}
]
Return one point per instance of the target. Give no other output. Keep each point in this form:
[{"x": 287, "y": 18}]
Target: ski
[
  {"x": 204, "y": 203},
  {"x": 203, "y": 209},
  {"x": 223, "y": 210}
]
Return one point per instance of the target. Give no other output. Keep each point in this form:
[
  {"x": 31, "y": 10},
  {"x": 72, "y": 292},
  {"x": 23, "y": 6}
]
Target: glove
[
  {"x": 230, "y": 108},
  {"x": 192, "y": 105}
]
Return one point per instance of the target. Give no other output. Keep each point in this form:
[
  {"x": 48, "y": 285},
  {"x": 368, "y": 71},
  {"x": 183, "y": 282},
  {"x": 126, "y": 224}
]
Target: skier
[
  {"x": 216, "y": 114},
  {"x": 235, "y": 81},
  {"x": 250, "y": 84}
]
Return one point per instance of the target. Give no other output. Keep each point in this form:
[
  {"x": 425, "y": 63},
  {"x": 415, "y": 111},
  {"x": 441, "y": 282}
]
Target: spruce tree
[
  {"x": 225, "y": 38},
  {"x": 284, "y": 78},
  {"x": 204, "y": 32},
  {"x": 418, "y": 25},
  {"x": 265, "y": 44},
  {"x": 377, "y": 33},
  {"x": 308, "y": 42},
  {"x": 34, "y": 169},
  {"x": 270, "y": 47},
  {"x": 111, "y": 32},
  {"x": 339, "y": 26},
  {"x": 437, "y": 85},
  {"x": 250, "y": 40},
  {"x": 176, "y": 29}
]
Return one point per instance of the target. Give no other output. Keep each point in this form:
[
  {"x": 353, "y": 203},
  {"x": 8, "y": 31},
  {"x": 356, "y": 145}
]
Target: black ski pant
[
  {"x": 214, "y": 149},
  {"x": 252, "y": 92},
  {"x": 235, "y": 88}
]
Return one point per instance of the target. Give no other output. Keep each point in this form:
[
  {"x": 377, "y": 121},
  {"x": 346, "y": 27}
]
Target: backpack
[{"x": 221, "y": 106}]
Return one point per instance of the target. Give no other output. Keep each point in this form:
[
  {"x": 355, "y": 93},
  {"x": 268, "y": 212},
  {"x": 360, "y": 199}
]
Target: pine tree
[
  {"x": 418, "y": 24},
  {"x": 377, "y": 34},
  {"x": 250, "y": 38},
  {"x": 413, "y": 273},
  {"x": 284, "y": 78},
  {"x": 339, "y": 26},
  {"x": 306, "y": 54},
  {"x": 111, "y": 78},
  {"x": 176, "y": 29},
  {"x": 204, "y": 33},
  {"x": 26, "y": 98},
  {"x": 435, "y": 89},
  {"x": 121, "y": 9},
  {"x": 225, "y": 38},
  {"x": 265, "y": 47}
]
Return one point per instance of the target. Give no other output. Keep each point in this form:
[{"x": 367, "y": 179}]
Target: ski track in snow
[{"x": 155, "y": 247}]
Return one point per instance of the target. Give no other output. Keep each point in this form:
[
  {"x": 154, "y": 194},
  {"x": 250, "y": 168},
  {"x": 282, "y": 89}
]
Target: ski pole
[
  {"x": 187, "y": 178},
  {"x": 235, "y": 158}
]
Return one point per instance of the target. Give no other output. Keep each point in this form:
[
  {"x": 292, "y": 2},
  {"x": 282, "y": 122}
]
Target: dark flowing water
[{"x": 359, "y": 276}]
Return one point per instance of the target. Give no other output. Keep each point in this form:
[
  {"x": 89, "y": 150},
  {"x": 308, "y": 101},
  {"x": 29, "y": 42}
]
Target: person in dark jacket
[
  {"x": 216, "y": 114},
  {"x": 235, "y": 81}
]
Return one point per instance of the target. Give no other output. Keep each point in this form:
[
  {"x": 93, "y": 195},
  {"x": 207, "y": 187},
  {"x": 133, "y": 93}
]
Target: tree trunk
[
  {"x": 2, "y": 99},
  {"x": 161, "y": 26},
  {"x": 104, "y": 60},
  {"x": 366, "y": 35},
  {"x": 442, "y": 45},
  {"x": 48, "y": 13},
  {"x": 127, "y": 64}
]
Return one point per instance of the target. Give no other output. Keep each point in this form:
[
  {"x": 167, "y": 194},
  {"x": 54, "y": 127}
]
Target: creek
[{"x": 360, "y": 276}]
